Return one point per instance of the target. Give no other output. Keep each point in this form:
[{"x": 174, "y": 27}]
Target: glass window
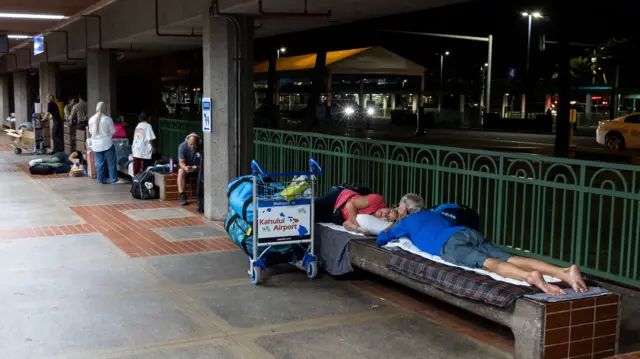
[{"x": 632, "y": 119}]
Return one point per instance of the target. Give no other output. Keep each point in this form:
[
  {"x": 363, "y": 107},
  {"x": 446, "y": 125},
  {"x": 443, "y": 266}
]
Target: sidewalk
[{"x": 88, "y": 272}]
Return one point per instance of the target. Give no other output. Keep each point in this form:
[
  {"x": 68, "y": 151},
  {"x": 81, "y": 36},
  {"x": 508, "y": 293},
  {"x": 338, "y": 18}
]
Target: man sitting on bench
[{"x": 436, "y": 235}]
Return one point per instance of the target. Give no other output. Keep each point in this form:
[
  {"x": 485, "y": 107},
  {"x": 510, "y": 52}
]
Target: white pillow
[{"x": 372, "y": 224}]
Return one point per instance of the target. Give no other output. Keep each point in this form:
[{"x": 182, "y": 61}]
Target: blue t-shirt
[
  {"x": 189, "y": 154},
  {"x": 427, "y": 230}
]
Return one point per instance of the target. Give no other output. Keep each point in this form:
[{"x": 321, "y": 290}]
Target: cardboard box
[
  {"x": 69, "y": 148},
  {"x": 81, "y": 135},
  {"x": 81, "y": 146},
  {"x": 69, "y": 139},
  {"x": 69, "y": 128}
]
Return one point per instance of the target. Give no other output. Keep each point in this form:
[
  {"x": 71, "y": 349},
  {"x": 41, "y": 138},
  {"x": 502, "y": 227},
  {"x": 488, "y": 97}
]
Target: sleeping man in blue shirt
[{"x": 436, "y": 235}]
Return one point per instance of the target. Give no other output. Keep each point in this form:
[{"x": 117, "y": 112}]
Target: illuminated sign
[
  {"x": 596, "y": 97},
  {"x": 38, "y": 45}
]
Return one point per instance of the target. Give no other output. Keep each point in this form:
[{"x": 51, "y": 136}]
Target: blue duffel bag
[
  {"x": 241, "y": 234},
  {"x": 240, "y": 194}
]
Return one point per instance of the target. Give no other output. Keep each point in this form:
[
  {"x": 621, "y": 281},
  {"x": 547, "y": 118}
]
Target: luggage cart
[
  {"x": 30, "y": 140},
  {"x": 278, "y": 221}
]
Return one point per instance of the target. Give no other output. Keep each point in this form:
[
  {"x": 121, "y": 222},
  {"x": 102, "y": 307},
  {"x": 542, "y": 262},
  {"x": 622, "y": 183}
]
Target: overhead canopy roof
[{"x": 364, "y": 61}]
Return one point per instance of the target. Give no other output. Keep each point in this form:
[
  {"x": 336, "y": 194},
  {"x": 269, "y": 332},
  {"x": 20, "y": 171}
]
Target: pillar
[
  {"x": 101, "y": 81},
  {"x": 463, "y": 105},
  {"x": 588, "y": 103},
  {"x": 414, "y": 106},
  {"x": 48, "y": 76},
  {"x": 329, "y": 88},
  {"x": 228, "y": 149},
  {"x": 505, "y": 103},
  {"x": 4, "y": 98},
  {"x": 547, "y": 102},
  {"x": 361, "y": 94},
  {"x": 22, "y": 101},
  {"x": 393, "y": 102}
]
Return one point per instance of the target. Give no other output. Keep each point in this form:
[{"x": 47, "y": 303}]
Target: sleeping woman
[{"x": 342, "y": 206}]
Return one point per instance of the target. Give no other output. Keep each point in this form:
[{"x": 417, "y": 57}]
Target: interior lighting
[
  {"x": 10, "y": 15},
  {"x": 19, "y": 37}
]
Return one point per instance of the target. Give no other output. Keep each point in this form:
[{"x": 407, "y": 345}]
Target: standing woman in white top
[{"x": 101, "y": 130}]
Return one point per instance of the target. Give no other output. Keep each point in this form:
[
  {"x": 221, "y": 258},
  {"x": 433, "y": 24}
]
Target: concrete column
[
  {"x": 463, "y": 104},
  {"x": 329, "y": 88},
  {"x": 505, "y": 100},
  {"x": 48, "y": 75},
  {"x": 4, "y": 98},
  {"x": 588, "y": 102},
  {"x": 547, "y": 102},
  {"x": 22, "y": 101},
  {"x": 361, "y": 94},
  {"x": 101, "y": 81},
  {"x": 393, "y": 102},
  {"x": 228, "y": 149},
  {"x": 414, "y": 106}
]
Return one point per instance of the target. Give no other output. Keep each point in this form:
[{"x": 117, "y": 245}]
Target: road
[{"x": 586, "y": 146}]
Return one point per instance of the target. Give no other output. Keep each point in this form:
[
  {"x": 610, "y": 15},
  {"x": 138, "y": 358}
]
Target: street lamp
[
  {"x": 531, "y": 16},
  {"x": 281, "y": 50},
  {"x": 442, "y": 55}
]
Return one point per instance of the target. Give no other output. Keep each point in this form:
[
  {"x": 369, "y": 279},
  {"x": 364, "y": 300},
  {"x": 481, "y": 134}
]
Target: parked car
[{"x": 621, "y": 133}]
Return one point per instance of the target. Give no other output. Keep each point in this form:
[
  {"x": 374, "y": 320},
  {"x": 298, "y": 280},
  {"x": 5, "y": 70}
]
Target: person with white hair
[
  {"x": 101, "y": 130},
  {"x": 434, "y": 234}
]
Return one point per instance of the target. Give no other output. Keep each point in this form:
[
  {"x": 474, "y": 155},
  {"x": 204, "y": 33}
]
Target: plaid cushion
[{"x": 457, "y": 281}]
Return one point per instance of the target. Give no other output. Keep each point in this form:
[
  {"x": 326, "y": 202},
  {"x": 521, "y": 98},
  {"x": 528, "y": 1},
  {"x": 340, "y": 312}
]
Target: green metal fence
[
  {"x": 559, "y": 210},
  {"x": 171, "y": 134}
]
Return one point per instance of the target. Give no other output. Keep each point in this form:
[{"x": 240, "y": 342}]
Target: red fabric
[
  {"x": 376, "y": 202},
  {"x": 138, "y": 166},
  {"x": 120, "y": 131}
]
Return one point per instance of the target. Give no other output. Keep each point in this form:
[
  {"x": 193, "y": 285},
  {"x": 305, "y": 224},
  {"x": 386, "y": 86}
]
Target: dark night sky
[{"x": 589, "y": 22}]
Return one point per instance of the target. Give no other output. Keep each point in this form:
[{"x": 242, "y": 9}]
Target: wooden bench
[
  {"x": 582, "y": 328},
  {"x": 167, "y": 183}
]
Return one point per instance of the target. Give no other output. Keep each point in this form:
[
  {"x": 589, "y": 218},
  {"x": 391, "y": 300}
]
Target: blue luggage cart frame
[{"x": 284, "y": 221}]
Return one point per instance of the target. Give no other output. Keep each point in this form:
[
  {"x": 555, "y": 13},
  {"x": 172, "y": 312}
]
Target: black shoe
[
  {"x": 183, "y": 199},
  {"x": 200, "y": 207}
]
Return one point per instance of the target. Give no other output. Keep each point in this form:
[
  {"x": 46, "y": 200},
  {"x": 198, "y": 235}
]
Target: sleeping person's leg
[
  {"x": 470, "y": 248},
  {"x": 323, "y": 206},
  {"x": 570, "y": 275},
  {"x": 509, "y": 270}
]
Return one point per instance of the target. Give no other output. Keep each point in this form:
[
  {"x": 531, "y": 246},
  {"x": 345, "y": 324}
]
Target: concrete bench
[
  {"x": 167, "y": 183},
  {"x": 583, "y": 328}
]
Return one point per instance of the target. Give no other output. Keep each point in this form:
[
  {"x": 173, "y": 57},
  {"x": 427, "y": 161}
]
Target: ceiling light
[
  {"x": 31, "y": 16},
  {"x": 19, "y": 37}
]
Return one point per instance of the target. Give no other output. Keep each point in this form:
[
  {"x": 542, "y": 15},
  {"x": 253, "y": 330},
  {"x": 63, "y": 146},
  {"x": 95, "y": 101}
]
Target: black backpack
[
  {"x": 41, "y": 169},
  {"x": 142, "y": 186},
  {"x": 460, "y": 215},
  {"x": 363, "y": 191}
]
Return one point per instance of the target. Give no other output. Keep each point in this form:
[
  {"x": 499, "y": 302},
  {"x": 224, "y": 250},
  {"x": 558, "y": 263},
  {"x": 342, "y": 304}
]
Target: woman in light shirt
[{"x": 101, "y": 130}]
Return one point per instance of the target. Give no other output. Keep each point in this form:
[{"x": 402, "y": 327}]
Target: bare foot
[
  {"x": 576, "y": 281},
  {"x": 537, "y": 280}
]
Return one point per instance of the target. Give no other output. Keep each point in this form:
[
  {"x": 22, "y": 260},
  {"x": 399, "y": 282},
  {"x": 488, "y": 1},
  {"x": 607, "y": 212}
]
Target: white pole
[{"x": 490, "y": 64}]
